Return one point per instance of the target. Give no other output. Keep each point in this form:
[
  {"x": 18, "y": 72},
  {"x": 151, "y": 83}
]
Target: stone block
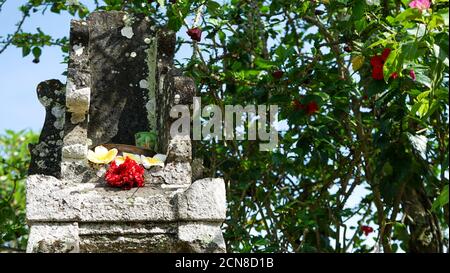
[
  {"x": 204, "y": 200},
  {"x": 201, "y": 238},
  {"x": 54, "y": 238}
]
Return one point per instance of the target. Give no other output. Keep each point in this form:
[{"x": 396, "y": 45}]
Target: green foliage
[
  {"x": 14, "y": 160},
  {"x": 387, "y": 136}
]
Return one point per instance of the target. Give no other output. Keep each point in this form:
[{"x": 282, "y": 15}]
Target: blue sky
[{"x": 19, "y": 106}]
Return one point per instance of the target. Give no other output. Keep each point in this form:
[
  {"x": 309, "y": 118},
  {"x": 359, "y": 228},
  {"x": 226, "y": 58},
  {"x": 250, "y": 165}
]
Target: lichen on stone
[{"x": 127, "y": 32}]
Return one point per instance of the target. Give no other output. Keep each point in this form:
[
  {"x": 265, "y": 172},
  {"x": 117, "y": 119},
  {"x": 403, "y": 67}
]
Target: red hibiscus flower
[
  {"x": 126, "y": 175},
  {"x": 277, "y": 74},
  {"x": 377, "y": 63},
  {"x": 377, "y": 73},
  {"x": 311, "y": 108},
  {"x": 367, "y": 230},
  {"x": 195, "y": 34}
]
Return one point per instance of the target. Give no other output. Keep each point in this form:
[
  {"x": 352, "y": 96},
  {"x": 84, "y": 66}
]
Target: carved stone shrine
[{"x": 120, "y": 81}]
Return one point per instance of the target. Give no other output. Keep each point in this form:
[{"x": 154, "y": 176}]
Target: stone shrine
[{"x": 120, "y": 81}]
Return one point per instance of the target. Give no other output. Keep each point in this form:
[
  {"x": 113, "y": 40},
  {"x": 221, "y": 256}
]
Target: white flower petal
[
  {"x": 100, "y": 150},
  {"x": 160, "y": 157}
]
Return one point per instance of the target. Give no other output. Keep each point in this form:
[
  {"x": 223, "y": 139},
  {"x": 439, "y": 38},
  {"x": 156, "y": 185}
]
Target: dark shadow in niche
[{"x": 118, "y": 104}]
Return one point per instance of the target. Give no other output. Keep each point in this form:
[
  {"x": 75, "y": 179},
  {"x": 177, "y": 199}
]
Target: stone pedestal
[
  {"x": 68, "y": 216},
  {"x": 120, "y": 81}
]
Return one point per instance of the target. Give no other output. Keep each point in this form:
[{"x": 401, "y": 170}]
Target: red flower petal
[
  {"x": 377, "y": 73},
  {"x": 376, "y": 61},
  {"x": 311, "y": 108},
  {"x": 277, "y": 74},
  {"x": 385, "y": 54},
  {"x": 127, "y": 175},
  {"x": 412, "y": 74},
  {"x": 195, "y": 34}
]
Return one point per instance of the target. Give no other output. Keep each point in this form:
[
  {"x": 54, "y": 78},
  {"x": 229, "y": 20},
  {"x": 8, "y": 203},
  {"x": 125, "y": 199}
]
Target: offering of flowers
[{"x": 124, "y": 171}]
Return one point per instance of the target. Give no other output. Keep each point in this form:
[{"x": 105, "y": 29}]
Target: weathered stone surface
[
  {"x": 90, "y": 217},
  {"x": 46, "y": 154},
  {"x": 118, "y": 66},
  {"x": 75, "y": 151},
  {"x": 53, "y": 238},
  {"x": 201, "y": 238},
  {"x": 198, "y": 169},
  {"x": 173, "y": 173},
  {"x": 204, "y": 200},
  {"x": 124, "y": 228},
  {"x": 49, "y": 199},
  {"x": 128, "y": 243},
  {"x": 179, "y": 149},
  {"x": 175, "y": 89},
  {"x": 78, "y": 95},
  {"x": 185, "y": 90}
]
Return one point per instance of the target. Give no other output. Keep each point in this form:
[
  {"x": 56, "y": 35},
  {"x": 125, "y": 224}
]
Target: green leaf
[
  {"x": 26, "y": 51},
  {"x": 392, "y": 64},
  {"x": 213, "y": 7},
  {"x": 442, "y": 199},
  {"x": 444, "y": 15},
  {"x": 423, "y": 109},
  {"x": 440, "y": 54},
  {"x": 264, "y": 64},
  {"x": 36, "y": 52},
  {"x": 408, "y": 14},
  {"x": 358, "y": 9}
]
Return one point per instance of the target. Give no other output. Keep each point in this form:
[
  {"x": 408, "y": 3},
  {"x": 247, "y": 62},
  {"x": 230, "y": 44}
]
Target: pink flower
[
  {"x": 412, "y": 74},
  {"x": 420, "y": 4}
]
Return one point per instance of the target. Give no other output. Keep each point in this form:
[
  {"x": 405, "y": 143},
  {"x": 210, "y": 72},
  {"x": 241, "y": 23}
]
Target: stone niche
[{"x": 120, "y": 81}]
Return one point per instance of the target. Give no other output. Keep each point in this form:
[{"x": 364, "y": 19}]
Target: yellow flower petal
[
  {"x": 148, "y": 162},
  {"x": 99, "y": 156},
  {"x": 93, "y": 158},
  {"x": 110, "y": 155}
]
